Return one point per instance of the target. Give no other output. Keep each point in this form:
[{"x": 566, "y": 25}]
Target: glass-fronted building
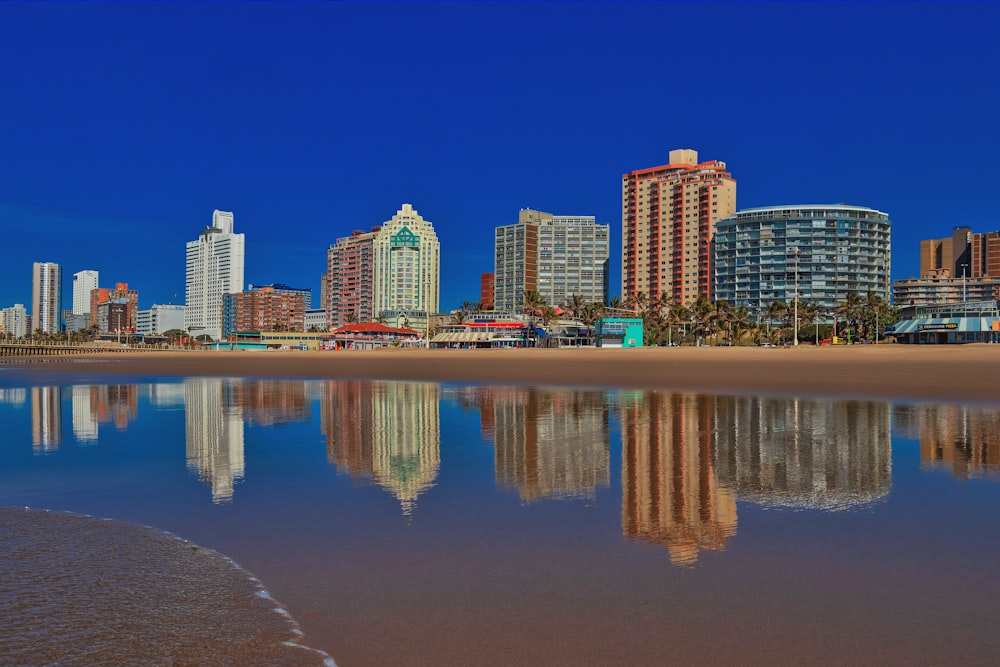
[
  {"x": 820, "y": 252},
  {"x": 965, "y": 322}
]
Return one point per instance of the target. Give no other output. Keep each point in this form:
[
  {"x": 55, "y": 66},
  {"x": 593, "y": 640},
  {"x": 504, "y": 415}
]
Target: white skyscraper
[
  {"x": 83, "y": 283},
  {"x": 407, "y": 268},
  {"x": 46, "y": 284},
  {"x": 214, "y": 269},
  {"x": 15, "y": 320}
]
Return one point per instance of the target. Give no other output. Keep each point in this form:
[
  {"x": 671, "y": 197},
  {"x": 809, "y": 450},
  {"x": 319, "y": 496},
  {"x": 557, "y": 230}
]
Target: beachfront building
[
  {"x": 14, "y": 321},
  {"x": 83, "y": 283},
  {"x": 159, "y": 318},
  {"x": 669, "y": 214},
  {"x": 407, "y": 269},
  {"x": 556, "y": 256},
  {"x": 214, "y": 268},
  {"x": 818, "y": 253},
  {"x": 123, "y": 319},
  {"x": 349, "y": 293},
  {"x": 487, "y": 287},
  {"x": 962, "y": 322},
  {"x": 46, "y": 286},
  {"x": 315, "y": 319},
  {"x": 266, "y": 308},
  {"x": 938, "y": 289}
]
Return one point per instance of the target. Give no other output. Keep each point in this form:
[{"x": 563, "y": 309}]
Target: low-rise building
[{"x": 159, "y": 319}]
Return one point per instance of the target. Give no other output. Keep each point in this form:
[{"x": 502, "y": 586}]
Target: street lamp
[
  {"x": 795, "y": 316},
  {"x": 964, "y": 267}
]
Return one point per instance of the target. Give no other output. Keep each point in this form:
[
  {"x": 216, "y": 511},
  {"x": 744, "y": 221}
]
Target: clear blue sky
[{"x": 123, "y": 125}]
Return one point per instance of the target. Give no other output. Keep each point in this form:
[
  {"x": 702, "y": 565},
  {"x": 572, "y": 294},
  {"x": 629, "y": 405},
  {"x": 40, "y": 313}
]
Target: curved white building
[{"x": 821, "y": 252}]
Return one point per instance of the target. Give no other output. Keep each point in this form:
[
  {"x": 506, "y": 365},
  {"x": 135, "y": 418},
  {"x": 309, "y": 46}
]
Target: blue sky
[{"x": 123, "y": 125}]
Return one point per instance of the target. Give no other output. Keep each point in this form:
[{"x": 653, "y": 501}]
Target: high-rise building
[
  {"x": 487, "y": 295},
  {"x": 407, "y": 264},
  {"x": 46, "y": 287},
  {"x": 214, "y": 269},
  {"x": 669, "y": 215},
  {"x": 14, "y": 321},
  {"x": 818, "y": 253},
  {"x": 963, "y": 254},
  {"x": 83, "y": 283},
  {"x": 119, "y": 318},
  {"x": 350, "y": 279},
  {"x": 557, "y": 256},
  {"x": 392, "y": 272},
  {"x": 266, "y": 308}
]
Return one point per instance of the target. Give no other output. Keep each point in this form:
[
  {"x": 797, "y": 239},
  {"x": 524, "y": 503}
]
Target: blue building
[{"x": 817, "y": 253}]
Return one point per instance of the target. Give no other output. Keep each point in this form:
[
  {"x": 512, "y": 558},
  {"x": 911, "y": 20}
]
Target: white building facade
[
  {"x": 557, "y": 256},
  {"x": 159, "y": 319},
  {"x": 407, "y": 267},
  {"x": 215, "y": 265},
  {"x": 46, "y": 288},
  {"x": 83, "y": 283},
  {"x": 15, "y": 320}
]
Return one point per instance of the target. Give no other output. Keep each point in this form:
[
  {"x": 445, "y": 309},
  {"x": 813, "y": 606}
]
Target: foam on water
[{"x": 77, "y": 590}]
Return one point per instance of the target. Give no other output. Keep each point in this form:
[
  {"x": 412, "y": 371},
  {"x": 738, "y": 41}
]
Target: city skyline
[{"x": 127, "y": 124}]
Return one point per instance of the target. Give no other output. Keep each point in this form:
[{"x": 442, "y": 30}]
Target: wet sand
[{"x": 966, "y": 373}]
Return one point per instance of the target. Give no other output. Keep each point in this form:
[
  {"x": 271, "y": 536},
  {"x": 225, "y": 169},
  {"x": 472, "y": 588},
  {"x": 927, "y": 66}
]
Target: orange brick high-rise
[{"x": 668, "y": 220}]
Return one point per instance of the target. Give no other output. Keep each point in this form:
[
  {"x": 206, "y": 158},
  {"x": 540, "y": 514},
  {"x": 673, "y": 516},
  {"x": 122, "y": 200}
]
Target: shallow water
[{"x": 417, "y": 523}]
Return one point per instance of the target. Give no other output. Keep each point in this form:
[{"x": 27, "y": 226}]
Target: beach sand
[{"x": 965, "y": 373}]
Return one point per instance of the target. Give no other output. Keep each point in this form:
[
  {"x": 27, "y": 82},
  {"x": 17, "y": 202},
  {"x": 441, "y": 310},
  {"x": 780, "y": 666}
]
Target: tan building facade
[{"x": 668, "y": 220}]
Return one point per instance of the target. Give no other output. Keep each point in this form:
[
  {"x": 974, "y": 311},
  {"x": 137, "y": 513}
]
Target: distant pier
[{"x": 28, "y": 349}]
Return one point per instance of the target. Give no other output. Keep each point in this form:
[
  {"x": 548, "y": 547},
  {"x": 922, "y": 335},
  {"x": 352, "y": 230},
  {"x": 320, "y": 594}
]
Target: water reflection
[
  {"x": 102, "y": 404},
  {"x": 46, "y": 419},
  {"x": 384, "y": 431},
  {"x": 548, "y": 443},
  {"x": 213, "y": 428},
  {"x": 965, "y": 439},
  {"x": 671, "y": 492},
  {"x": 807, "y": 453},
  {"x": 14, "y": 396},
  {"x": 686, "y": 458}
]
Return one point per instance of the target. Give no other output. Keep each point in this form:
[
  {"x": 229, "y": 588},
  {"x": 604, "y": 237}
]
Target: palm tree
[
  {"x": 776, "y": 310},
  {"x": 849, "y": 310},
  {"x": 532, "y": 304},
  {"x": 574, "y": 305},
  {"x": 638, "y": 302}
]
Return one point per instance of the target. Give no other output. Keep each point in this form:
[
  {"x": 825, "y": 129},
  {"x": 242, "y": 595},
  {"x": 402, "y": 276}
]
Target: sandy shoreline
[{"x": 965, "y": 373}]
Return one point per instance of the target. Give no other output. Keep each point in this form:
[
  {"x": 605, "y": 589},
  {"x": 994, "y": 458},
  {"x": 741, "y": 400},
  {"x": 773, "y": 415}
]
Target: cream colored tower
[{"x": 407, "y": 266}]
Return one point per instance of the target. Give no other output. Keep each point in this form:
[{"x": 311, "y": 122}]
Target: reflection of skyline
[
  {"x": 102, "y": 404},
  {"x": 213, "y": 434},
  {"x": 548, "y": 443},
  {"x": 805, "y": 453},
  {"x": 671, "y": 492},
  {"x": 270, "y": 402},
  {"x": 46, "y": 419},
  {"x": 966, "y": 439},
  {"x": 386, "y": 431},
  {"x": 14, "y": 396}
]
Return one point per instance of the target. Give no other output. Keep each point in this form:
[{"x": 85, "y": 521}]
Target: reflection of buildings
[
  {"x": 214, "y": 434},
  {"x": 549, "y": 443},
  {"x": 46, "y": 419},
  {"x": 818, "y": 454},
  {"x": 388, "y": 431},
  {"x": 103, "y": 404},
  {"x": 269, "y": 402},
  {"x": 686, "y": 458},
  {"x": 671, "y": 491},
  {"x": 967, "y": 439},
  {"x": 14, "y": 396},
  {"x": 84, "y": 420}
]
